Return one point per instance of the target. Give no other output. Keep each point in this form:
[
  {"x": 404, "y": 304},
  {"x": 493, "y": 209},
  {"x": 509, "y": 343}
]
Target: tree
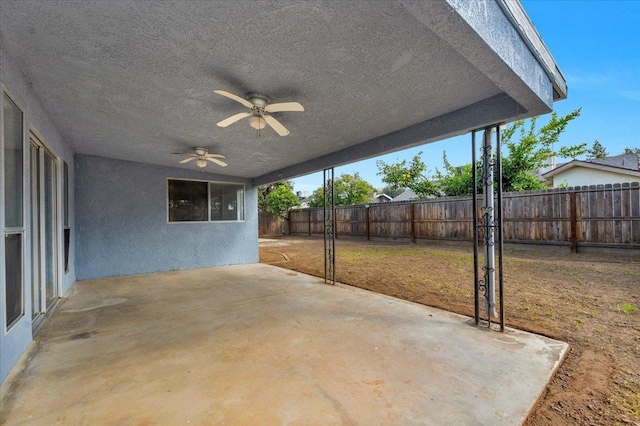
[
  {"x": 317, "y": 198},
  {"x": 530, "y": 152},
  {"x": 457, "y": 180},
  {"x": 533, "y": 149},
  {"x": 264, "y": 191},
  {"x": 597, "y": 151},
  {"x": 281, "y": 199},
  {"x": 352, "y": 189},
  {"x": 408, "y": 175},
  {"x": 348, "y": 189}
]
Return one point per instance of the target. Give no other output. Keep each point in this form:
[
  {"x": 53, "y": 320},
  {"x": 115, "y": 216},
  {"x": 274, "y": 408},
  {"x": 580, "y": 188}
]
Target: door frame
[{"x": 45, "y": 310}]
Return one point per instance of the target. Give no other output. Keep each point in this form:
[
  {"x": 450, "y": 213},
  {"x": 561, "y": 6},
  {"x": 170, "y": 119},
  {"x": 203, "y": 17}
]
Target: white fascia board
[{"x": 514, "y": 11}]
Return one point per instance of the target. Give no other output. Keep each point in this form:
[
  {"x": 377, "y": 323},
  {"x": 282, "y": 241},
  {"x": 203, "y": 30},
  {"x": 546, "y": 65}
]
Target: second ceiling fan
[{"x": 260, "y": 108}]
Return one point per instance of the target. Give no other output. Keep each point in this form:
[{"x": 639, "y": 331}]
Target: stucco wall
[
  {"x": 121, "y": 222},
  {"x": 14, "y": 342},
  {"x": 579, "y": 176}
]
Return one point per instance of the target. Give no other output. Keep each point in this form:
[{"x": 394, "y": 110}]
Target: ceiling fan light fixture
[
  {"x": 260, "y": 108},
  {"x": 257, "y": 122},
  {"x": 201, "y": 163}
]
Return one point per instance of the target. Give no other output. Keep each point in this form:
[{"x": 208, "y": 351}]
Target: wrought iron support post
[
  {"x": 476, "y": 292},
  {"x": 491, "y": 223},
  {"x": 329, "y": 227},
  {"x": 488, "y": 221},
  {"x": 499, "y": 228}
]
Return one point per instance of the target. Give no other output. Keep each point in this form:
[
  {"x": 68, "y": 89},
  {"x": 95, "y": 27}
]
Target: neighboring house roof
[
  {"x": 406, "y": 195},
  {"x": 624, "y": 161},
  {"x": 383, "y": 195},
  {"x": 634, "y": 174},
  {"x": 304, "y": 203},
  {"x": 632, "y": 171}
]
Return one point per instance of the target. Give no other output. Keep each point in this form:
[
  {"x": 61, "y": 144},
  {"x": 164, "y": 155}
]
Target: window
[
  {"x": 187, "y": 201},
  {"x": 65, "y": 189},
  {"x": 13, "y": 277},
  {"x": 12, "y": 139},
  {"x": 65, "y": 208},
  {"x": 227, "y": 201},
  {"x": 201, "y": 201},
  {"x": 12, "y": 129}
]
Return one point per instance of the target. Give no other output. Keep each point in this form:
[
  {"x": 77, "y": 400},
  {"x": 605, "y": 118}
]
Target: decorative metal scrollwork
[
  {"x": 329, "y": 227},
  {"x": 487, "y": 221}
]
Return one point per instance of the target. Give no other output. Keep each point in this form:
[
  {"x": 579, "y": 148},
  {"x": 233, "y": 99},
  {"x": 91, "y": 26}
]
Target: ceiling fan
[
  {"x": 202, "y": 155},
  {"x": 260, "y": 107}
]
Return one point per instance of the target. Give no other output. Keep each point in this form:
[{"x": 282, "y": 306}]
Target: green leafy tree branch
[
  {"x": 410, "y": 175},
  {"x": 348, "y": 190},
  {"x": 277, "y": 198}
]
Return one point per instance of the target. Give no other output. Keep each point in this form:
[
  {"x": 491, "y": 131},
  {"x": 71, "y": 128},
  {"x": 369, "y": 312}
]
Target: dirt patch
[
  {"x": 276, "y": 242},
  {"x": 591, "y": 301}
]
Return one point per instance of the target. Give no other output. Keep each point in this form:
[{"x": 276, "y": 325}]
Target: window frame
[
  {"x": 15, "y": 230},
  {"x": 208, "y": 182}
]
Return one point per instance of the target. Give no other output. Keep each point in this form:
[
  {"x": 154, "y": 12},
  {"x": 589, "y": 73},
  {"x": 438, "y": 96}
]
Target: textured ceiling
[{"x": 134, "y": 80}]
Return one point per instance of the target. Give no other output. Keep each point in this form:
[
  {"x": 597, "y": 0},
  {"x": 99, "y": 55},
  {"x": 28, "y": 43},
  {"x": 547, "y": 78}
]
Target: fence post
[
  {"x": 366, "y": 224},
  {"x": 573, "y": 221},
  {"x": 413, "y": 222},
  {"x": 309, "y": 220}
]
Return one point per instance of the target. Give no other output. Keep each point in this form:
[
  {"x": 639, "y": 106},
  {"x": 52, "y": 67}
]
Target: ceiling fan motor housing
[{"x": 258, "y": 99}]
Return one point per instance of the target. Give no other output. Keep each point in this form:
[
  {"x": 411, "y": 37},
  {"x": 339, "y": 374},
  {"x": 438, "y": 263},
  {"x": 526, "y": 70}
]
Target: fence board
[
  {"x": 635, "y": 211},
  {"x": 270, "y": 224},
  {"x": 617, "y": 212}
]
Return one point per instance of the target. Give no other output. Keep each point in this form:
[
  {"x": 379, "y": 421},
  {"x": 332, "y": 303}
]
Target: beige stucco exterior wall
[{"x": 579, "y": 176}]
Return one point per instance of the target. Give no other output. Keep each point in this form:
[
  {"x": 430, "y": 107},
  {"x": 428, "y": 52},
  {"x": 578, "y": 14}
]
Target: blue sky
[{"x": 597, "y": 46}]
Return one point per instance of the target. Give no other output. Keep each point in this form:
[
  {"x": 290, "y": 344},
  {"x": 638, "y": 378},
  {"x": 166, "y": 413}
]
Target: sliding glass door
[
  {"x": 36, "y": 296},
  {"x": 45, "y": 229}
]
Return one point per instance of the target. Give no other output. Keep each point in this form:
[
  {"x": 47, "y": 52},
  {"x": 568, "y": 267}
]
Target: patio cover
[{"x": 134, "y": 80}]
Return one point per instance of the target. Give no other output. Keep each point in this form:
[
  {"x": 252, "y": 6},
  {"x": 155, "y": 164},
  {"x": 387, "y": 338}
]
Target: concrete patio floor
[{"x": 256, "y": 344}]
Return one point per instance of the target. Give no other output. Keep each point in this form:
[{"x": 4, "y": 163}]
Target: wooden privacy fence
[
  {"x": 270, "y": 224},
  {"x": 602, "y": 215}
]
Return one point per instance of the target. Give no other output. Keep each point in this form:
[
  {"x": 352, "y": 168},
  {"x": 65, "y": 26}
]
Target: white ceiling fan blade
[
  {"x": 186, "y": 160},
  {"x": 234, "y": 97},
  {"x": 228, "y": 121},
  {"x": 218, "y": 162},
  {"x": 284, "y": 106},
  {"x": 275, "y": 124},
  {"x": 215, "y": 156}
]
